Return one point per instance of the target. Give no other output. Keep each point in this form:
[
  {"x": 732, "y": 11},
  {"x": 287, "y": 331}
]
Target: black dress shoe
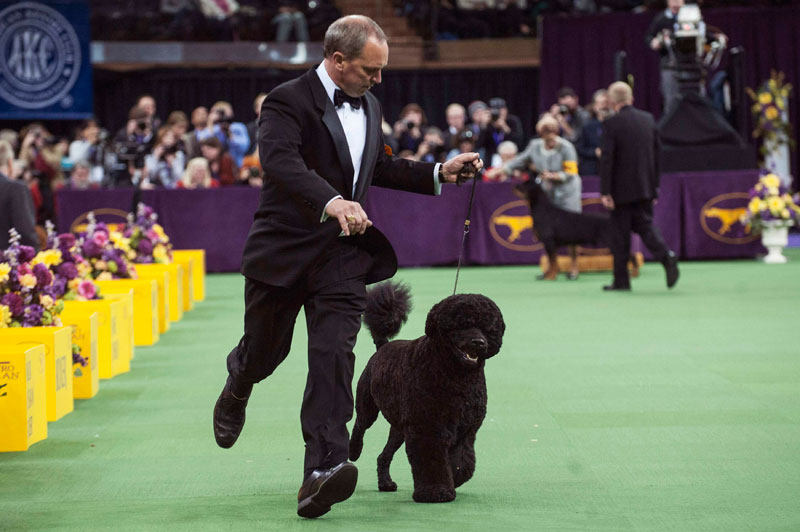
[
  {"x": 613, "y": 288},
  {"x": 671, "y": 267},
  {"x": 228, "y": 417},
  {"x": 325, "y": 487}
]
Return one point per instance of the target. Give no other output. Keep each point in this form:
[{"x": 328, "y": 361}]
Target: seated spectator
[
  {"x": 588, "y": 145},
  {"x": 223, "y": 167},
  {"x": 178, "y": 122},
  {"x": 199, "y": 122},
  {"x": 148, "y": 103},
  {"x": 87, "y": 147},
  {"x": 479, "y": 117},
  {"x": 408, "y": 130},
  {"x": 506, "y": 151},
  {"x": 570, "y": 116},
  {"x": 80, "y": 178},
  {"x": 197, "y": 175},
  {"x": 432, "y": 148},
  {"x": 164, "y": 166},
  {"x": 138, "y": 130},
  {"x": 252, "y": 126},
  {"x": 456, "y": 117},
  {"x": 502, "y": 126},
  {"x": 290, "y": 18},
  {"x": 232, "y": 135},
  {"x": 465, "y": 143}
]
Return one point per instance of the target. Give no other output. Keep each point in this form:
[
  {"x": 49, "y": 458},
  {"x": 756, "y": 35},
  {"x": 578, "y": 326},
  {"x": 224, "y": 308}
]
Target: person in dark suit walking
[
  {"x": 629, "y": 180},
  {"x": 16, "y": 203},
  {"x": 312, "y": 245}
]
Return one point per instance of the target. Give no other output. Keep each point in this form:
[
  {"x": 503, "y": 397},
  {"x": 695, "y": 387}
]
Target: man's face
[
  {"x": 569, "y": 101},
  {"x": 675, "y": 5},
  {"x": 456, "y": 119},
  {"x": 358, "y": 74},
  {"x": 80, "y": 177},
  {"x": 200, "y": 117},
  {"x": 601, "y": 103},
  {"x": 148, "y": 104},
  {"x": 209, "y": 152}
]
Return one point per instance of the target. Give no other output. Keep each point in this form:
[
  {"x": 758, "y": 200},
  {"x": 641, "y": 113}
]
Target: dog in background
[
  {"x": 556, "y": 227},
  {"x": 431, "y": 390}
]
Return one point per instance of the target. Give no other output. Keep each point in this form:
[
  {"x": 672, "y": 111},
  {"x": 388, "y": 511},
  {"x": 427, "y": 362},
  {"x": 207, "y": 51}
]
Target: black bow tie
[{"x": 339, "y": 97}]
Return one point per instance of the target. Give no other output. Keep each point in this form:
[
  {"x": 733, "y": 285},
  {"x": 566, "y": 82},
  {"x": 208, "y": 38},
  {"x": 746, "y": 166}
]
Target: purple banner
[{"x": 425, "y": 231}]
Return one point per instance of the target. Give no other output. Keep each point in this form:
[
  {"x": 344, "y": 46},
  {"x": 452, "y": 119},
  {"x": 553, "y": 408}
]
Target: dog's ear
[
  {"x": 432, "y": 321},
  {"x": 495, "y": 329}
]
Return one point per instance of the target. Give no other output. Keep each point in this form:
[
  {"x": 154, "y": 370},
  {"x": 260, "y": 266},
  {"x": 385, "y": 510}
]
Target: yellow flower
[
  {"x": 73, "y": 284},
  {"x": 100, "y": 265},
  {"x": 119, "y": 241},
  {"x": 4, "y": 269},
  {"x": 772, "y": 191},
  {"x": 755, "y": 205},
  {"x": 785, "y": 214},
  {"x": 5, "y": 316},
  {"x": 131, "y": 254},
  {"x": 764, "y": 98},
  {"x": 771, "y": 180},
  {"x": 771, "y": 113},
  {"x": 160, "y": 232},
  {"x": 46, "y": 301},
  {"x": 84, "y": 270},
  {"x": 27, "y": 280},
  {"x": 775, "y": 205},
  {"x": 105, "y": 276},
  {"x": 49, "y": 257},
  {"x": 160, "y": 253}
]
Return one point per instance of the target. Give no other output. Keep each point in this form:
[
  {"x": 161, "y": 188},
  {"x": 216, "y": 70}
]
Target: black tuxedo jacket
[
  {"x": 306, "y": 160},
  {"x": 629, "y": 163},
  {"x": 17, "y": 211}
]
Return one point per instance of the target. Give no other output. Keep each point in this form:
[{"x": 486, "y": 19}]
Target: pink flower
[
  {"x": 100, "y": 238},
  {"x": 152, "y": 235},
  {"x": 86, "y": 290}
]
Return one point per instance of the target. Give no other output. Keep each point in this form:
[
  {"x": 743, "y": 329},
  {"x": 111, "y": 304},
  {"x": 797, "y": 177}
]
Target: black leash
[{"x": 467, "y": 171}]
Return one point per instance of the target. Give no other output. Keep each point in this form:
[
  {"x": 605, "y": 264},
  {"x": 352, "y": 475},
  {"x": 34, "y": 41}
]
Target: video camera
[
  {"x": 128, "y": 151},
  {"x": 690, "y": 51}
]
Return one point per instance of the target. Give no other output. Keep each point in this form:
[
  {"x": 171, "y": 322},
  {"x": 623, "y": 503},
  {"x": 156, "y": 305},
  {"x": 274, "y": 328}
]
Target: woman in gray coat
[{"x": 555, "y": 160}]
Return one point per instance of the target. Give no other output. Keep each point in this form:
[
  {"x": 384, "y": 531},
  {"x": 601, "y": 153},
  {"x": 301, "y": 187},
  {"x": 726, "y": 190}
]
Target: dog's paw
[
  {"x": 387, "y": 486},
  {"x": 355, "y": 449},
  {"x": 434, "y": 494}
]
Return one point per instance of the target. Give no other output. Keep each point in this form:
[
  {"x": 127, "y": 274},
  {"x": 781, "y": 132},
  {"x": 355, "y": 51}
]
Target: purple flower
[
  {"x": 26, "y": 253},
  {"x": 32, "y": 316},
  {"x": 91, "y": 249},
  {"x": 43, "y": 275},
  {"x": 145, "y": 247},
  {"x": 14, "y": 303},
  {"x": 67, "y": 270},
  {"x": 66, "y": 241}
]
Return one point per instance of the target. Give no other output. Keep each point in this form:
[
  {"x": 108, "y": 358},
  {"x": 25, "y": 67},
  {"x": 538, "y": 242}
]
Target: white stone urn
[{"x": 774, "y": 237}]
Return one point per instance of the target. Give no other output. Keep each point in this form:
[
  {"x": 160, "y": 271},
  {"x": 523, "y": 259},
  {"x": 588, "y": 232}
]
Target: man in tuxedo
[
  {"x": 312, "y": 245},
  {"x": 629, "y": 179},
  {"x": 16, "y": 204}
]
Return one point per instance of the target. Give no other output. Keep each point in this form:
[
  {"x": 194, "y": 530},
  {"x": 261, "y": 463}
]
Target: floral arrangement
[
  {"x": 770, "y": 201},
  {"x": 108, "y": 253},
  {"x": 71, "y": 267},
  {"x": 147, "y": 237},
  {"x": 30, "y": 294},
  {"x": 769, "y": 112}
]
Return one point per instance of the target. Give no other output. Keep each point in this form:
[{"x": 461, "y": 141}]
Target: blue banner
[{"x": 45, "y": 68}]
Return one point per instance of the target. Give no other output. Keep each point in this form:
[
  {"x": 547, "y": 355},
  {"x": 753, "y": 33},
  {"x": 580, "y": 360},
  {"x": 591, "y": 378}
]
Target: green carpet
[{"x": 650, "y": 411}]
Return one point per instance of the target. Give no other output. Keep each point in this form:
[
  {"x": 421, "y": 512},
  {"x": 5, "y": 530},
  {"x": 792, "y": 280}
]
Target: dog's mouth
[{"x": 469, "y": 358}]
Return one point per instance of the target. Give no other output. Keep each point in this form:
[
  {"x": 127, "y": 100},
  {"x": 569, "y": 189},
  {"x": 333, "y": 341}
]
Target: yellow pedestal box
[
  {"x": 175, "y": 276},
  {"x": 125, "y": 331},
  {"x": 23, "y": 398},
  {"x": 57, "y": 342},
  {"x": 145, "y": 306},
  {"x": 161, "y": 278},
  {"x": 109, "y": 312},
  {"x": 187, "y": 264},
  {"x": 85, "y": 329},
  {"x": 198, "y": 270}
]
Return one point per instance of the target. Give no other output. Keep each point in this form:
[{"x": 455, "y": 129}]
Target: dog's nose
[{"x": 478, "y": 342}]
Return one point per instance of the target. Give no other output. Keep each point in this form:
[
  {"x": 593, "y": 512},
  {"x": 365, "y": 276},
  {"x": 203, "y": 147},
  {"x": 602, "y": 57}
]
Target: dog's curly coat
[{"x": 431, "y": 390}]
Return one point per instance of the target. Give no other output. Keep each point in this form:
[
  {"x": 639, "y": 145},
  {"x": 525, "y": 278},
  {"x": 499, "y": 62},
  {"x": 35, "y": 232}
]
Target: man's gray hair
[
  {"x": 6, "y": 154},
  {"x": 349, "y": 34}
]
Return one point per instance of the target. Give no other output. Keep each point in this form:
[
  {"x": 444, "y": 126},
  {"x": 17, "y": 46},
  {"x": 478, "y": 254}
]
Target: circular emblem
[
  {"x": 509, "y": 222},
  {"x": 721, "y": 216},
  {"x": 40, "y": 56}
]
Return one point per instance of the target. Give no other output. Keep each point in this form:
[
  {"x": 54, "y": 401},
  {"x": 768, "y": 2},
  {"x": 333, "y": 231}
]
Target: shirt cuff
[
  {"x": 437, "y": 186},
  {"x": 325, "y": 214}
]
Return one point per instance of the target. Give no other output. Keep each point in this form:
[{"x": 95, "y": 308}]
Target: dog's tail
[{"x": 388, "y": 306}]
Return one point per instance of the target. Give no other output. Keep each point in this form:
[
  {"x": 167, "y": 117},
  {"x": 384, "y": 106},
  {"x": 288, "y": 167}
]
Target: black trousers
[
  {"x": 636, "y": 217},
  {"x": 333, "y": 294}
]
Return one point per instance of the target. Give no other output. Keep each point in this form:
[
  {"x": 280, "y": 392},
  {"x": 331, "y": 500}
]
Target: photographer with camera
[
  {"x": 232, "y": 135},
  {"x": 432, "y": 148},
  {"x": 131, "y": 144},
  {"x": 502, "y": 126},
  {"x": 659, "y": 39},
  {"x": 89, "y": 147},
  {"x": 571, "y": 117},
  {"x": 409, "y": 128},
  {"x": 163, "y": 167},
  {"x": 42, "y": 153}
]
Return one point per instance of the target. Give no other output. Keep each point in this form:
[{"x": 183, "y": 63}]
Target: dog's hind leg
[
  {"x": 366, "y": 413},
  {"x": 385, "y": 482}
]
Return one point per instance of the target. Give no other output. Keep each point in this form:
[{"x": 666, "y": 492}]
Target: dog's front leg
[{"x": 430, "y": 467}]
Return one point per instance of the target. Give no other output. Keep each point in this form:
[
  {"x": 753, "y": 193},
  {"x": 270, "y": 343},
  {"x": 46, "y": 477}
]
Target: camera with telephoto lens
[
  {"x": 131, "y": 152},
  {"x": 563, "y": 109}
]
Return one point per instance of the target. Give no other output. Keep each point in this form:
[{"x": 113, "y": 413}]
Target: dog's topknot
[
  {"x": 463, "y": 311},
  {"x": 388, "y": 306}
]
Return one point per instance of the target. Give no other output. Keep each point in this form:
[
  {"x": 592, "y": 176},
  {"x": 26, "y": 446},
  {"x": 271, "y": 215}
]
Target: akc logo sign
[
  {"x": 509, "y": 222},
  {"x": 40, "y": 56},
  {"x": 721, "y": 216}
]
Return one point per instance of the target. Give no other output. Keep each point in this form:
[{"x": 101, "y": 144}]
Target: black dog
[
  {"x": 431, "y": 390},
  {"x": 556, "y": 227}
]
